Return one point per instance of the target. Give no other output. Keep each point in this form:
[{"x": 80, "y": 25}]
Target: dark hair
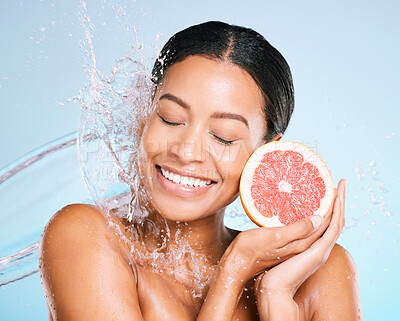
[{"x": 245, "y": 48}]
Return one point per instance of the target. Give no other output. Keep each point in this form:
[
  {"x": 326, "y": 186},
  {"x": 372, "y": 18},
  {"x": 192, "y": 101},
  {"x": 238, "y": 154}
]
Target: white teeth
[
  {"x": 190, "y": 181},
  {"x": 184, "y": 180},
  {"x": 162, "y": 171},
  {"x": 176, "y": 178}
]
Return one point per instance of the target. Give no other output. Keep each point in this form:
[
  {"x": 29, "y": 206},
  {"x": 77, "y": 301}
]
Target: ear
[{"x": 277, "y": 137}]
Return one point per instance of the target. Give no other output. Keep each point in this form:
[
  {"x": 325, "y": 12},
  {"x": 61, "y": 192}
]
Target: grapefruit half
[{"x": 283, "y": 182}]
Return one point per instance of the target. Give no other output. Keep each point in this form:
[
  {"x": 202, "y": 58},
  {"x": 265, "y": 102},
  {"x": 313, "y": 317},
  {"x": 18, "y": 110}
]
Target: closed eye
[
  {"x": 219, "y": 139},
  {"x": 167, "y": 122},
  {"x": 223, "y": 141}
]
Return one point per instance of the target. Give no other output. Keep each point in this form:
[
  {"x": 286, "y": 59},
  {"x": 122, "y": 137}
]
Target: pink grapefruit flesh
[{"x": 283, "y": 182}]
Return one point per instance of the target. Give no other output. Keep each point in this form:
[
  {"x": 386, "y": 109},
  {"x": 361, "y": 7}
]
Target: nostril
[{"x": 186, "y": 151}]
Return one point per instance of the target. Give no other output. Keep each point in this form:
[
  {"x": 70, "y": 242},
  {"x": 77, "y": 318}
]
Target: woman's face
[{"x": 207, "y": 121}]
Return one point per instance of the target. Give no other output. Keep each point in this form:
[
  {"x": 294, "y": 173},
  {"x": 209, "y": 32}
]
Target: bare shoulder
[
  {"x": 333, "y": 289},
  {"x": 78, "y": 225},
  {"x": 339, "y": 264},
  {"x": 73, "y": 220},
  {"x": 75, "y": 229},
  {"x": 81, "y": 263}
]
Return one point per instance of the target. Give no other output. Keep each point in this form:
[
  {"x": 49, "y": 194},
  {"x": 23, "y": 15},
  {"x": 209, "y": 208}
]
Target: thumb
[{"x": 316, "y": 221}]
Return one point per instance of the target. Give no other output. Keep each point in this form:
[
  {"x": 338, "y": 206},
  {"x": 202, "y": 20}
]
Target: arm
[
  {"x": 84, "y": 273},
  {"x": 222, "y": 297}
]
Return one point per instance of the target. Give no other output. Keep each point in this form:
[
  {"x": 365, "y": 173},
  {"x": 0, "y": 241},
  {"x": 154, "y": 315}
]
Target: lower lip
[{"x": 181, "y": 190}]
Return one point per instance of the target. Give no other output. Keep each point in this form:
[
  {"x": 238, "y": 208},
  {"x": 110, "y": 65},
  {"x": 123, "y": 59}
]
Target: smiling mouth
[{"x": 182, "y": 180}]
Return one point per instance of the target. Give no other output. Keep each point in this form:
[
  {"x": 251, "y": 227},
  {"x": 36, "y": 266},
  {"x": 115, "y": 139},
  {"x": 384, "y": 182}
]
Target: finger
[
  {"x": 339, "y": 209},
  {"x": 315, "y": 220},
  {"x": 344, "y": 199},
  {"x": 299, "y": 236},
  {"x": 298, "y": 230},
  {"x": 302, "y": 244},
  {"x": 320, "y": 249},
  {"x": 296, "y": 237},
  {"x": 336, "y": 225},
  {"x": 311, "y": 259},
  {"x": 312, "y": 226}
]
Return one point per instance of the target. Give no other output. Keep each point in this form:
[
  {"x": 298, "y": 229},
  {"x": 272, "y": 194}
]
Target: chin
[{"x": 176, "y": 211}]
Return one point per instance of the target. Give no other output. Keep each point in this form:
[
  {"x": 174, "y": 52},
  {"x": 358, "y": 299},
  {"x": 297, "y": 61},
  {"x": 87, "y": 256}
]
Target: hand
[
  {"x": 256, "y": 250},
  {"x": 280, "y": 283},
  {"x": 251, "y": 253}
]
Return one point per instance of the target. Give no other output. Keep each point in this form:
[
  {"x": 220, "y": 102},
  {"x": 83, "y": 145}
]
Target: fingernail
[{"x": 316, "y": 221}]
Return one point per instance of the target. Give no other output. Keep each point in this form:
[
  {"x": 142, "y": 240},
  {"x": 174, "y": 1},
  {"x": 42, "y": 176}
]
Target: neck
[
  {"x": 189, "y": 251},
  {"x": 206, "y": 238}
]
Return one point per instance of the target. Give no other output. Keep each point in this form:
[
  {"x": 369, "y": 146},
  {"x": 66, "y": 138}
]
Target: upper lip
[{"x": 185, "y": 173}]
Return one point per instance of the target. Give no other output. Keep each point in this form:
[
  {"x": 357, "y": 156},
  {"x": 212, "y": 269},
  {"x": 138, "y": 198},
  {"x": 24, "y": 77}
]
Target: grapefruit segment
[{"x": 283, "y": 182}]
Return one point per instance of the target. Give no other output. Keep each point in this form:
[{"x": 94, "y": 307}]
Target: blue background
[{"x": 346, "y": 70}]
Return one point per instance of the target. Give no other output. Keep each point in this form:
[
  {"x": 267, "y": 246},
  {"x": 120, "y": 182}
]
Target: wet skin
[{"x": 208, "y": 120}]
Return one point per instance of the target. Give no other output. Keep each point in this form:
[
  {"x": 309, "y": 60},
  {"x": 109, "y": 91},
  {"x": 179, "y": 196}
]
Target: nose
[{"x": 188, "y": 148}]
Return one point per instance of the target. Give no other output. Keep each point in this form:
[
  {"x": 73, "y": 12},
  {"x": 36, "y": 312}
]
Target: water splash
[
  {"x": 114, "y": 110},
  {"x": 374, "y": 186}
]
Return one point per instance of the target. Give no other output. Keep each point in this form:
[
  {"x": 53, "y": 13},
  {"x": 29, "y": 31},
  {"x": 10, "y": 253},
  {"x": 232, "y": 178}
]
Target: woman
[{"x": 220, "y": 92}]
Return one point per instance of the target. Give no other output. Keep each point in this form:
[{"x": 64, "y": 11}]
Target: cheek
[
  {"x": 150, "y": 145},
  {"x": 153, "y": 138},
  {"x": 231, "y": 161}
]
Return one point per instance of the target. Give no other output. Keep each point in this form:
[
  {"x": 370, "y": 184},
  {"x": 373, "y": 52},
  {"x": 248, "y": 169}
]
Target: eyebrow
[
  {"x": 176, "y": 100},
  {"x": 224, "y": 115},
  {"x": 227, "y": 115}
]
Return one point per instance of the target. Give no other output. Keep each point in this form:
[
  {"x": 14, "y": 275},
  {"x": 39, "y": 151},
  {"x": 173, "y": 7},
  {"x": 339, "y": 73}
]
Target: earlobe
[{"x": 277, "y": 137}]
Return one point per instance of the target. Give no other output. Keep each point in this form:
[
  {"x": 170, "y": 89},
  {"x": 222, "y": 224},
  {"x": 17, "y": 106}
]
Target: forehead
[{"x": 213, "y": 84}]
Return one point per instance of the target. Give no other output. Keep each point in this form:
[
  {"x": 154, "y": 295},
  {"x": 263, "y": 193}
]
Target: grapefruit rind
[{"x": 255, "y": 159}]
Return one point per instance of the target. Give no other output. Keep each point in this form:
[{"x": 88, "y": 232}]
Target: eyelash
[
  {"x": 219, "y": 139},
  {"x": 169, "y": 123},
  {"x": 223, "y": 141}
]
